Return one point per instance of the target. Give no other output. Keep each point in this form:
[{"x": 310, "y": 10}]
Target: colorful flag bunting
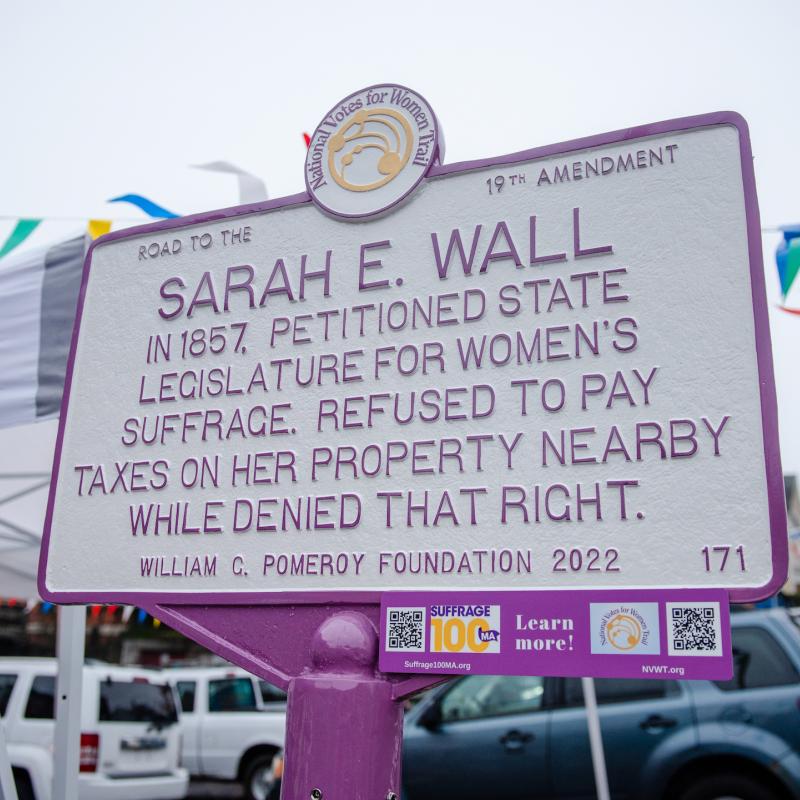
[
  {"x": 97, "y": 227},
  {"x": 788, "y": 258},
  {"x": 143, "y": 204},
  {"x": 22, "y": 230}
]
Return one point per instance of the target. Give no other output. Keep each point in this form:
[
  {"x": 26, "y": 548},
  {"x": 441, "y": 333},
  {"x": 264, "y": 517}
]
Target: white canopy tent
[
  {"x": 26, "y": 455},
  {"x": 25, "y": 462}
]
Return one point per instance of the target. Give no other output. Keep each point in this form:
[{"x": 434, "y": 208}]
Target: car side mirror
[{"x": 431, "y": 717}]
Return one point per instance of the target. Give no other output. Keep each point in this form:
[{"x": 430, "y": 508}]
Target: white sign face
[{"x": 548, "y": 370}]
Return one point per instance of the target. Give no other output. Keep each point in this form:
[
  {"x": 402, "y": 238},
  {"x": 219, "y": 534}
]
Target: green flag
[{"x": 22, "y": 230}]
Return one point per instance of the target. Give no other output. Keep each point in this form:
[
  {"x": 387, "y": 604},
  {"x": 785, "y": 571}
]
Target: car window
[
  {"x": 490, "y": 695},
  {"x": 270, "y": 693},
  {"x": 6, "y": 685},
  {"x": 758, "y": 661},
  {"x": 619, "y": 690},
  {"x": 137, "y": 701},
  {"x": 41, "y": 700},
  {"x": 231, "y": 694},
  {"x": 186, "y": 691}
]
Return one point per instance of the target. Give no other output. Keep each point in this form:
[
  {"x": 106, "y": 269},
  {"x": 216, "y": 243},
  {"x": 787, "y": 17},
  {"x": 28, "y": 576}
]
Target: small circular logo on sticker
[
  {"x": 371, "y": 151},
  {"x": 623, "y": 632}
]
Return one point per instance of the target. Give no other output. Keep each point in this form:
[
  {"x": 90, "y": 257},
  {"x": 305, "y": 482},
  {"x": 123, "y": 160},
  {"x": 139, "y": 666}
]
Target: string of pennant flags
[
  {"x": 95, "y": 612},
  {"x": 251, "y": 190},
  {"x": 24, "y": 227},
  {"x": 787, "y": 257}
]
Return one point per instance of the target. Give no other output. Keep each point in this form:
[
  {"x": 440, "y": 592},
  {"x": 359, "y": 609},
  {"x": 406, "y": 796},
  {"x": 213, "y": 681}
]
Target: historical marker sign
[{"x": 545, "y": 370}]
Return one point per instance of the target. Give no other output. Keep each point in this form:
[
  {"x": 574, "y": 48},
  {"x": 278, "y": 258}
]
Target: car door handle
[
  {"x": 657, "y": 722},
  {"x": 514, "y": 740}
]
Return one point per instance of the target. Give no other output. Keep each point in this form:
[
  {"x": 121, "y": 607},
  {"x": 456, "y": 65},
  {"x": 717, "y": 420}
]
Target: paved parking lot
[{"x": 205, "y": 790}]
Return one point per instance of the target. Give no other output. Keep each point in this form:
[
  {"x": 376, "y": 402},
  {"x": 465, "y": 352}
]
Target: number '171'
[{"x": 718, "y": 556}]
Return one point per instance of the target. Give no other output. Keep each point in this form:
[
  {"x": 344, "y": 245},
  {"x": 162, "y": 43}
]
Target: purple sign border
[{"x": 769, "y": 414}]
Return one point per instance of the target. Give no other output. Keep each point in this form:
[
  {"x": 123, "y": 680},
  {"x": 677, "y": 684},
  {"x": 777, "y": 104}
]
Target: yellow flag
[{"x": 97, "y": 227}]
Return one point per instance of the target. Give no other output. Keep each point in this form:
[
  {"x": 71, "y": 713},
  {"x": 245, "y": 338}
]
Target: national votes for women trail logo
[
  {"x": 371, "y": 151},
  {"x": 623, "y": 631},
  {"x": 624, "y": 628}
]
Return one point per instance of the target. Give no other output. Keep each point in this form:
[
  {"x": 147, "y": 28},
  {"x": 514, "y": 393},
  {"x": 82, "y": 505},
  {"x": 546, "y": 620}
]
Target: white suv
[{"x": 130, "y": 741}]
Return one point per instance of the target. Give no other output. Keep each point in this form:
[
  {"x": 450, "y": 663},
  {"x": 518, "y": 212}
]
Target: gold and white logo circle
[
  {"x": 371, "y": 151},
  {"x": 623, "y": 632}
]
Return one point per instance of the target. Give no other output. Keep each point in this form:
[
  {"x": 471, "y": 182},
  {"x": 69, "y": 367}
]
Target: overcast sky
[{"x": 100, "y": 99}]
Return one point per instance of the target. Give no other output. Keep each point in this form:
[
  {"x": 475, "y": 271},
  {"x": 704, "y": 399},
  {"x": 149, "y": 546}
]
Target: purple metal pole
[{"x": 344, "y": 731}]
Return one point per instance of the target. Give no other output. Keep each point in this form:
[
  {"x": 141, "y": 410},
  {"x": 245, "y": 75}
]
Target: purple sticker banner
[{"x": 601, "y": 634}]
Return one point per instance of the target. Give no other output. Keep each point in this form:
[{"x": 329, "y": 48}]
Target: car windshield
[{"x": 137, "y": 701}]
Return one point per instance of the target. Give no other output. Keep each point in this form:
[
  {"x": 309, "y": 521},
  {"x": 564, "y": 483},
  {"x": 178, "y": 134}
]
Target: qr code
[
  {"x": 405, "y": 629},
  {"x": 694, "y": 629}
]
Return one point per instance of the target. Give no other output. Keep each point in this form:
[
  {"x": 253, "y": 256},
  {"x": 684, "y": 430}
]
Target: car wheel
[
  {"x": 259, "y": 778},
  {"x": 728, "y": 786}
]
